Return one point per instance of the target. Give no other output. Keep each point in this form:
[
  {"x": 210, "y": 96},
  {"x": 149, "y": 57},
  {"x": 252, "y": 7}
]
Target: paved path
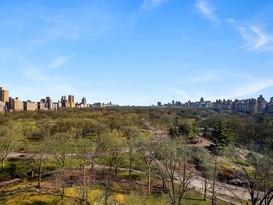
[{"x": 221, "y": 189}]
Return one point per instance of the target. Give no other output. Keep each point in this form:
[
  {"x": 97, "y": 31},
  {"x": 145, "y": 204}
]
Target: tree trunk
[
  {"x": 117, "y": 165},
  {"x": 149, "y": 180},
  {"x": 62, "y": 195},
  {"x": 205, "y": 189},
  {"x": 40, "y": 176},
  {"x": 253, "y": 198},
  {"x": 84, "y": 186},
  {"x": 130, "y": 165},
  {"x": 213, "y": 202},
  {"x": 3, "y": 163}
]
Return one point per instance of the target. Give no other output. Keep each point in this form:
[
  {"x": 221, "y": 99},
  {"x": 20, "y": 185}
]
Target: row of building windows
[
  {"x": 15, "y": 104},
  {"x": 259, "y": 105}
]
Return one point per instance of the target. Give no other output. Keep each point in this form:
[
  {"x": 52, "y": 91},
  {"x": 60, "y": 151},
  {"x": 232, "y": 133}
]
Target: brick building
[
  {"x": 29, "y": 105},
  {"x": 4, "y": 95},
  {"x": 16, "y": 104}
]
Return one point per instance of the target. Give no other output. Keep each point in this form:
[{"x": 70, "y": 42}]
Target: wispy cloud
[
  {"x": 256, "y": 39},
  {"x": 230, "y": 20},
  {"x": 59, "y": 61},
  {"x": 253, "y": 88},
  {"x": 149, "y": 4},
  {"x": 203, "y": 77},
  {"x": 207, "y": 11},
  {"x": 31, "y": 72},
  {"x": 181, "y": 93},
  {"x": 251, "y": 85},
  {"x": 37, "y": 74},
  {"x": 43, "y": 82}
]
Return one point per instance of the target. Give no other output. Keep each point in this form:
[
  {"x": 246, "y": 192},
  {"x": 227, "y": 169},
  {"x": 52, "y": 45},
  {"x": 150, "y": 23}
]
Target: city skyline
[
  {"x": 137, "y": 53},
  {"x": 250, "y": 106},
  {"x": 70, "y": 99}
]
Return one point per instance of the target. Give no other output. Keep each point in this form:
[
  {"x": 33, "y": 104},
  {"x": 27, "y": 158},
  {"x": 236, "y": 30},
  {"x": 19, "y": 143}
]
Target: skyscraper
[
  {"x": 48, "y": 103},
  {"x": 71, "y": 101},
  {"x": 84, "y": 100},
  {"x": 4, "y": 95}
]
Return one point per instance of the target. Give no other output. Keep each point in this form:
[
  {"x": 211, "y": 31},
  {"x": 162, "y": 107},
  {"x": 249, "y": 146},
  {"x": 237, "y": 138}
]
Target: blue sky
[{"x": 136, "y": 52}]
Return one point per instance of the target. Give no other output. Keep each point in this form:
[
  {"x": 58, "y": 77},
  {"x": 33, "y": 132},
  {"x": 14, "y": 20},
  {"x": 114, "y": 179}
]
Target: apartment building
[
  {"x": 15, "y": 104},
  {"x": 29, "y": 105},
  {"x": 4, "y": 95}
]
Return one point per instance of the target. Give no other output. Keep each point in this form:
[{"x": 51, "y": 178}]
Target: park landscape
[
  {"x": 100, "y": 102},
  {"x": 136, "y": 155}
]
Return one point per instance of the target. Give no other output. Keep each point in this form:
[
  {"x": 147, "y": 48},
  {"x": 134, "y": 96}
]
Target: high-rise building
[
  {"x": 83, "y": 104},
  {"x": 41, "y": 104},
  {"x": 4, "y": 95},
  {"x": 2, "y": 107},
  {"x": 16, "y": 104},
  {"x": 71, "y": 101},
  {"x": 48, "y": 103},
  {"x": 83, "y": 100},
  {"x": 29, "y": 105},
  {"x": 64, "y": 102},
  {"x": 261, "y": 104}
]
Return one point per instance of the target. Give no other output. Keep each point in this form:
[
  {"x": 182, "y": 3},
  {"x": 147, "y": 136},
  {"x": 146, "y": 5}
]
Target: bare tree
[
  {"x": 203, "y": 162},
  {"x": 175, "y": 155},
  {"x": 39, "y": 156},
  {"x": 147, "y": 148},
  {"x": 9, "y": 140},
  {"x": 131, "y": 133},
  {"x": 60, "y": 147},
  {"x": 256, "y": 177}
]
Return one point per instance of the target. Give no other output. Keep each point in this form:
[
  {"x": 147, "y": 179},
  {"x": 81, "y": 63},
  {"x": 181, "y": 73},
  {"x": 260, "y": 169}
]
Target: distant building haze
[{"x": 259, "y": 105}]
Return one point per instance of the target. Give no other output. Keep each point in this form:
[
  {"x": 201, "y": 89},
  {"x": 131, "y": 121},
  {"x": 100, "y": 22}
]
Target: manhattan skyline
[{"x": 137, "y": 52}]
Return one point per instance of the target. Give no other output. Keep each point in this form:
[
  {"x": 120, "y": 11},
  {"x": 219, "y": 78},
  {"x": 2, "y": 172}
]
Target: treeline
[{"x": 125, "y": 137}]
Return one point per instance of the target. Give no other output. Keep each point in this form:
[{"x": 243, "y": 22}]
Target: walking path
[{"x": 223, "y": 191}]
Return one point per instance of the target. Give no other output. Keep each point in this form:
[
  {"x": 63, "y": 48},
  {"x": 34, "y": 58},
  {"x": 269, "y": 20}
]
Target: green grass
[
  {"x": 31, "y": 197},
  {"x": 95, "y": 194}
]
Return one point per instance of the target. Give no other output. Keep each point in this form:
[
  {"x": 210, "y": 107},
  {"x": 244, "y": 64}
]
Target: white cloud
[
  {"x": 248, "y": 86},
  {"x": 52, "y": 19},
  {"x": 88, "y": 21},
  {"x": 203, "y": 77},
  {"x": 31, "y": 72},
  {"x": 38, "y": 83},
  {"x": 206, "y": 10},
  {"x": 59, "y": 61},
  {"x": 256, "y": 39},
  {"x": 184, "y": 38},
  {"x": 230, "y": 20},
  {"x": 148, "y": 4},
  {"x": 181, "y": 93},
  {"x": 254, "y": 86}
]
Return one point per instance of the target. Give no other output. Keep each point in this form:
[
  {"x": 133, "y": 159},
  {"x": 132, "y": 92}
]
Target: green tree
[{"x": 221, "y": 136}]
